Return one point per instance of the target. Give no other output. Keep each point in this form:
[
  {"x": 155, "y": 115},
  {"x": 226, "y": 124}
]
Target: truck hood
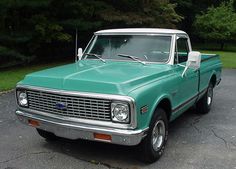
[{"x": 112, "y": 77}]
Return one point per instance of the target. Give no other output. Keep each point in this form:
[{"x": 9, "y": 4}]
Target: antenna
[{"x": 76, "y": 44}]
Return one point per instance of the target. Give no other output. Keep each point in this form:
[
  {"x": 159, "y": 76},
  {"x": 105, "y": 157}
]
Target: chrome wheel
[
  {"x": 158, "y": 135},
  {"x": 209, "y": 96}
]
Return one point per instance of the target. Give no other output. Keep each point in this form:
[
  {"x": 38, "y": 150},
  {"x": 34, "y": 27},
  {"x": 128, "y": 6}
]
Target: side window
[{"x": 182, "y": 50}]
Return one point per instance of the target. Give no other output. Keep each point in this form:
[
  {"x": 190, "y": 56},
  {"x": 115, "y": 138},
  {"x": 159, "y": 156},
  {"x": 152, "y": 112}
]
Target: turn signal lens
[
  {"x": 104, "y": 137},
  {"x": 33, "y": 123}
]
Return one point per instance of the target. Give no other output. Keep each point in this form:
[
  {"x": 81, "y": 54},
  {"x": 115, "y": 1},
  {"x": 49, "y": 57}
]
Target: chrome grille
[{"x": 76, "y": 106}]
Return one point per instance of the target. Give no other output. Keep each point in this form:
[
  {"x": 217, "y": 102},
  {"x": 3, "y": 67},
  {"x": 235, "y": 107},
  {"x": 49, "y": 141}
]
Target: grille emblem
[{"x": 61, "y": 106}]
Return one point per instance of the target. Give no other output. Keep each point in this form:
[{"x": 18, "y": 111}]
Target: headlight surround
[
  {"x": 120, "y": 112},
  {"x": 22, "y": 98}
]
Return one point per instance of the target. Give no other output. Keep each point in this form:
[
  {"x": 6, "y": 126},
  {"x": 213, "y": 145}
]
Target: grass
[
  {"x": 228, "y": 58},
  {"x": 9, "y": 77}
]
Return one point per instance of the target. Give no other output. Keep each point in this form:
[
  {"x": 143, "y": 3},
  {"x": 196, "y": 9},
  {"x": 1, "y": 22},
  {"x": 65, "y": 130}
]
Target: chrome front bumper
[{"x": 73, "y": 130}]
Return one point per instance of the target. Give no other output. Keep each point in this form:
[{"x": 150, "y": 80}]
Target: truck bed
[{"x": 206, "y": 56}]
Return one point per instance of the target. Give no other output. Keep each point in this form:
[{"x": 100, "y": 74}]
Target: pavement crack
[
  {"x": 24, "y": 155},
  {"x": 234, "y": 144},
  {"x": 93, "y": 161},
  {"x": 195, "y": 121},
  {"x": 195, "y": 127},
  {"x": 99, "y": 163},
  {"x": 104, "y": 164},
  {"x": 221, "y": 138}
]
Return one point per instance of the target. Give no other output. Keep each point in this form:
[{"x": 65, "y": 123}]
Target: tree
[
  {"x": 25, "y": 27},
  {"x": 217, "y": 24},
  {"x": 45, "y": 28},
  {"x": 145, "y": 13},
  {"x": 234, "y": 4},
  {"x": 188, "y": 9}
]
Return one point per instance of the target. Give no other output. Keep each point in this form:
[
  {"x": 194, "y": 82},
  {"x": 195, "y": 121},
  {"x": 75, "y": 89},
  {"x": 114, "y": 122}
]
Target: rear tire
[
  {"x": 204, "y": 104},
  {"x": 153, "y": 145},
  {"x": 47, "y": 135}
]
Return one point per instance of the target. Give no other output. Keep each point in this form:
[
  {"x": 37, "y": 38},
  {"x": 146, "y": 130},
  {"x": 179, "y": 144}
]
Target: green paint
[{"x": 147, "y": 84}]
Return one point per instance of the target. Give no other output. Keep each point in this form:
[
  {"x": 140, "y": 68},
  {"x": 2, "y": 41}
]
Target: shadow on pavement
[{"x": 104, "y": 154}]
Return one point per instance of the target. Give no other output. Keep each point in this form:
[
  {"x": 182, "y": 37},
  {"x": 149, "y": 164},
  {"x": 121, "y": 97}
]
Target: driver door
[{"x": 188, "y": 84}]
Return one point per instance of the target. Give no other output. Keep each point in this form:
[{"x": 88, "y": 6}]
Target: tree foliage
[
  {"x": 44, "y": 28},
  {"x": 217, "y": 23},
  {"x": 190, "y": 8}
]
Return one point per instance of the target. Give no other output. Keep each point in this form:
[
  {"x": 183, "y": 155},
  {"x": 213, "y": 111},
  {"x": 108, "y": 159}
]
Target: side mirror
[
  {"x": 80, "y": 53},
  {"x": 194, "y": 61}
]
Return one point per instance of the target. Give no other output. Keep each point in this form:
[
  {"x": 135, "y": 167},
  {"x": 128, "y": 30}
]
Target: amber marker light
[
  {"x": 144, "y": 109},
  {"x": 104, "y": 137},
  {"x": 33, "y": 123}
]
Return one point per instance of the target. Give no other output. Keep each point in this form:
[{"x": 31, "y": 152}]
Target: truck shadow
[{"x": 116, "y": 156}]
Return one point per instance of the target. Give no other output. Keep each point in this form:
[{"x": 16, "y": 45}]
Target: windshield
[{"x": 144, "y": 47}]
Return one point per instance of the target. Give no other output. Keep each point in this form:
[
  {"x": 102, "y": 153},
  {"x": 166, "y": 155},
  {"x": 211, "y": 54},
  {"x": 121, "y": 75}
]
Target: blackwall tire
[
  {"x": 204, "y": 104},
  {"x": 153, "y": 145}
]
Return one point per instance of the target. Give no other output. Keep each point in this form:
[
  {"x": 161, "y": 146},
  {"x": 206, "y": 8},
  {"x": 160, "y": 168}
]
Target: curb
[{"x": 7, "y": 91}]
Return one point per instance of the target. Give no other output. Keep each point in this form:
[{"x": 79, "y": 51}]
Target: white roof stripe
[{"x": 140, "y": 31}]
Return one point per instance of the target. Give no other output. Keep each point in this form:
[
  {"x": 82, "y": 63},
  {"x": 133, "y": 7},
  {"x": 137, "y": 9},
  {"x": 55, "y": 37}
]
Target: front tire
[
  {"x": 204, "y": 104},
  {"x": 153, "y": 145}
]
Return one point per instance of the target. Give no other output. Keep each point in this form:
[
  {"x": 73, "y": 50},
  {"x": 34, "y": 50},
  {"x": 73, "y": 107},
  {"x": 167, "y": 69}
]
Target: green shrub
[{"x": 10, "y": 57}]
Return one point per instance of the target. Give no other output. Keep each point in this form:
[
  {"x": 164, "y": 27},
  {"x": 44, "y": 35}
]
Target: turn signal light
[
  {"x": 104, "y": 137},
  {"x": 33, "y": 123}
]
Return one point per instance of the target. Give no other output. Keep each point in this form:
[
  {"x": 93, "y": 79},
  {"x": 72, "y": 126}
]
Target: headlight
[
  {"x": 22, "y": 98},
  {"x": 120, "y": 112}
]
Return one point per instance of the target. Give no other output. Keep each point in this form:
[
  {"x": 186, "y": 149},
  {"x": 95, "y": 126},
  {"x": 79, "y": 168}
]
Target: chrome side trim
[
  {"x": 188, "y": 101},
  {"x": 129, "y": 100}
]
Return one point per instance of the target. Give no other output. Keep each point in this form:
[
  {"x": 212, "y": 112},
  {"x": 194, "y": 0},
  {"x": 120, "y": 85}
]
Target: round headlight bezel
[
  {"x": 22, "y": 98},
  {"x": 120, "y": 112}
]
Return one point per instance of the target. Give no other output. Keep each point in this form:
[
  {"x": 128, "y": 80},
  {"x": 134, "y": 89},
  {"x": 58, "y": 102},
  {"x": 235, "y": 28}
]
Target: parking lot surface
[{"x": 195, "y": 141}]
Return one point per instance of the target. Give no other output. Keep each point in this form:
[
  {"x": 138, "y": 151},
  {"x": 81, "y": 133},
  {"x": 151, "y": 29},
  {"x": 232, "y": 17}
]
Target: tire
[
  {"x": 47, "y": 135},
  {"x": 204, "y": 104},
  {"x": 152, "y": 148}
]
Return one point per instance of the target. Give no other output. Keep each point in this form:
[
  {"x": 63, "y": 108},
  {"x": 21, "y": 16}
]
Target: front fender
[
  {"x": 151, "y": 95},
  {"x": 156, "y": 103}
]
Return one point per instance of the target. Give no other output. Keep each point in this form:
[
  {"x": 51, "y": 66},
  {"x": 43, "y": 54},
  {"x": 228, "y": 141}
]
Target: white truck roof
[{"x": 139, "y": 31}]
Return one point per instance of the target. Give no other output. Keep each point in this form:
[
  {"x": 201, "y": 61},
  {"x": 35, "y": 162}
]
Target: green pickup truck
[{"x": 124, "y": 88}]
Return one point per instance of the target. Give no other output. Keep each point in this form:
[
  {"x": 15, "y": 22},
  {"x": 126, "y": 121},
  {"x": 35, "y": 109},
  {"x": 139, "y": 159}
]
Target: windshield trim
[{"x": 84, "y": 57}]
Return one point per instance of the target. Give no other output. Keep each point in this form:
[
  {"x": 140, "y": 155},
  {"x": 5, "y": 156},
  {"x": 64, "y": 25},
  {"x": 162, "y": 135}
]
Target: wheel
[
  {"x": 204, "y": 104},
  {"x": 47, "y": 135},
  {"x": 153, "y": 145}
]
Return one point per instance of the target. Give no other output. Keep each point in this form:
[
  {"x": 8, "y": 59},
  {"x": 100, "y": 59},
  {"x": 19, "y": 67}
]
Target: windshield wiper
[
  {"x": 131, "y": 57},
  {"x": 97, "y": 56}
]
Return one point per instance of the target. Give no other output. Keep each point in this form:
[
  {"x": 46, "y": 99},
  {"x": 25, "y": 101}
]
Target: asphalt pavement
[{"x": 195, "y": 141}]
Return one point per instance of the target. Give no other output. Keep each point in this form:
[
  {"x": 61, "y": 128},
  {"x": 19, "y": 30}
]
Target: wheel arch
[
  {"x": 163, "y": 102},
  {"x": 213, "y": 79}
]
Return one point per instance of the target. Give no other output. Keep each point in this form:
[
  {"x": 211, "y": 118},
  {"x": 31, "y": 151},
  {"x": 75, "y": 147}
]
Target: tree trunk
[{"x": 222, "y": 45}]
